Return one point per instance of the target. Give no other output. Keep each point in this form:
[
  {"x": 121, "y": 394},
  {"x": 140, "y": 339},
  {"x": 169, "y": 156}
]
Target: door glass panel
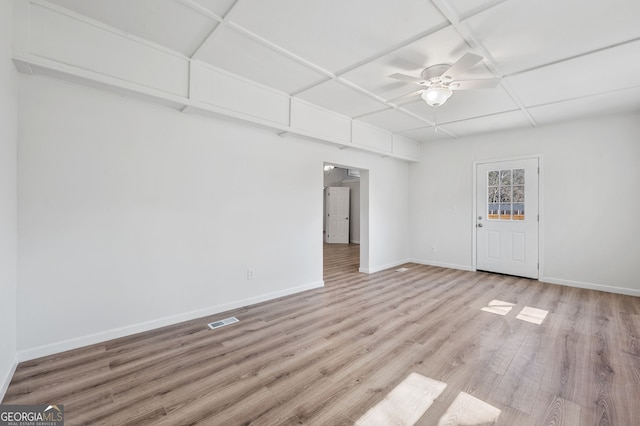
[
  {"x": 493, "y": 211},
  {"x": 505, "y": 177},
  {"x": 518, "y": 194},
  {"x": 505, "y": 211},
  {"x": 518, "y": 176},
  {"x": 505, "y": 194},
  {"x": 493, "y": 177},
  {"x": 518, "y": 211},
  {"x": 493, "y": 194}
]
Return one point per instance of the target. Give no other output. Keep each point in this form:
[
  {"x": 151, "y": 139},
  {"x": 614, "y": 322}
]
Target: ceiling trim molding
[
  {"x": 222, "y": 20},
  {"x": 202, "y": 10},
  {"x": 463, "y": 29},
  {"x": 90, "y": 21},
  {"x": 481, "y": 9},
  {"x": 570, "y": 58}
]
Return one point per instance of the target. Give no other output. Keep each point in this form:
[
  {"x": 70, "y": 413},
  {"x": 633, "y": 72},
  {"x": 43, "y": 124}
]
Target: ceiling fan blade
[
  {"x": 406, "y": 97},
  {"x": 463, "y": 64},
  {"x": 487, "y": 83},
  {"x": 406, "y": 78}
]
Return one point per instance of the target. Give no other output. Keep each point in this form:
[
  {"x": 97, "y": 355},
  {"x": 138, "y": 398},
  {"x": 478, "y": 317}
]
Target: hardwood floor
[{"x": 416, "y": 345}]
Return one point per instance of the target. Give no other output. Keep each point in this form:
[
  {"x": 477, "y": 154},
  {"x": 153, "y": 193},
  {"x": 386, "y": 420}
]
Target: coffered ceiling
[{"x": 558, "y": 60}]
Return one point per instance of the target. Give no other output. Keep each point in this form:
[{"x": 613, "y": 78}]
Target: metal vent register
[{"x": 222, "y": 323}]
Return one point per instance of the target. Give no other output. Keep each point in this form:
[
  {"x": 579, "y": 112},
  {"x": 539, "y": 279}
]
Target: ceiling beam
[
  {"x": 300, "y": 60},
  {"x": 274, "y": 47},
  {"x": 445, "y": 7},
  {"x": 201, "y": 9},
  {"x": 328, "y": 75},
  {"x": 221, "y": 20},
  {"x": 481, "y": 8},
  {"x": 580, "y": 55},
  {"x": 380, "y": 54}
]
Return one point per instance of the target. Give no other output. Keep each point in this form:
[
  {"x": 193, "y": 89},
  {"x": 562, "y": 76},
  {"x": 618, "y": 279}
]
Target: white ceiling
[{"x": 558, "y": 60}]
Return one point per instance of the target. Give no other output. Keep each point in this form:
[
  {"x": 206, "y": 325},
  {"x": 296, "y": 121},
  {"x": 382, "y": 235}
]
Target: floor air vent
[{"x": 222, "y": 323}]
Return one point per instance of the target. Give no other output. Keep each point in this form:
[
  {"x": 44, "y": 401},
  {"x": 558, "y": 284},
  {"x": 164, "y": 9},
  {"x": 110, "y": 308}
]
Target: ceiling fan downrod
[{"x": 435, "y": 117}]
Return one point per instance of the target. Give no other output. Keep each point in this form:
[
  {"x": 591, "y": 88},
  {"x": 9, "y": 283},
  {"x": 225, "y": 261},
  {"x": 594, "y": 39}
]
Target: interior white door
[
  {"x": 337, "y": 220},
  {"x": 507, "y": 217}
]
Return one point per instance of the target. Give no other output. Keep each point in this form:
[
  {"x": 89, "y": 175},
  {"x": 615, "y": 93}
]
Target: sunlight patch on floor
[
  {"x": 499, "y": 307},
  {"x": 405, "y": 404},
  {"x": 469, "y": 410},
  {"x": 533, "y": 315},
  {"x": 529, "y": 314}
]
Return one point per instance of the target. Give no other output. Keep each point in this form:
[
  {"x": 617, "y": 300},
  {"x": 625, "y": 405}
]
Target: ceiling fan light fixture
[{"x": 436, "y": 96}]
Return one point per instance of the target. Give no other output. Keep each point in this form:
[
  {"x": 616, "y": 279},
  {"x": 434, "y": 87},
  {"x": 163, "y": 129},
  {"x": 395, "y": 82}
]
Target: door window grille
[{"x": 505, "y": 192}]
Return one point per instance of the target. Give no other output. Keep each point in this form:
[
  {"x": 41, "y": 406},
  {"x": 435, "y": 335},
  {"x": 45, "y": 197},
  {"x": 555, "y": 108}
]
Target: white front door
[
  {"x": 507, "y": 217},
  {"x": 337, "y": 220}
]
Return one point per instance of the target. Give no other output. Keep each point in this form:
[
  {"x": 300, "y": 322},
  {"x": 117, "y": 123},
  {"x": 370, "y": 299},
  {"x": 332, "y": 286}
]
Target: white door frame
[
  {"x": 364, "y": 213},
  {"x": 473, "y": 222}
]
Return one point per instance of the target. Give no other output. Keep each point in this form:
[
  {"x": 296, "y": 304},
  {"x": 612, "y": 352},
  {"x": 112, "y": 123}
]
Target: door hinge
[
  {"x": 538, "y": 218},
  {"x": 538, "y": 266}
]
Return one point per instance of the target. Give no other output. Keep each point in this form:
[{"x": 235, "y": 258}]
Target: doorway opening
[{"x": 345, "y": 236}]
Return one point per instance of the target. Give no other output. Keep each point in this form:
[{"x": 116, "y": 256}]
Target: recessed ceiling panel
[
  {"x": 425, "y": 134},
  {"x": 601, "y": 72},
  {"x": 465, "y": 104},
  {"x": 442, "y": 47},
  {"x": 219, "y": 7},
  {"x": 244, "y": 56},
  {"x": 342, "y": 99},
  {"x": 559, "y": 59},
  {"x": 335, "y": 34},
  {"x": 466, "y": 8},
  {"x": 165, "y": 22},
  {"x": 592, "y": 106},
  {"x": 521, "y": 35},
  {"x": 492, "y": 123},
  {"x": 393, "y": 120}
]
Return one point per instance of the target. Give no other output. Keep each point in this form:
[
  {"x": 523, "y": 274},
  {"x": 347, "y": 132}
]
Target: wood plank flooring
[{"x": 330, "y": 356}]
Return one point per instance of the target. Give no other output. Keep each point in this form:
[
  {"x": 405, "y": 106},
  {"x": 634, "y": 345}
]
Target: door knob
[{"x": 479, "y": 225}]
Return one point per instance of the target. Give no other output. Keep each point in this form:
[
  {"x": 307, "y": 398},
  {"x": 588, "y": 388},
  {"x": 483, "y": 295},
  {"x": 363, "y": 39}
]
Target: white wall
[
  {"x": 8, "y": 200},
  {"x": 590, "y": 199},
  {"x": 134, "y": 215},
  {"x": 388, "y": 213}
]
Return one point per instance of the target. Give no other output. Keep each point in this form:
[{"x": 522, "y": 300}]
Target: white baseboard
[
  {"x": 6, "y": 380},
  {"x": 592, "y": 286},
  {"x": 549, "y": 280},
  {"x": 442, "y": 264},
  {"x": 78, "y": 342},
  {"x": 383, "y": 267}
]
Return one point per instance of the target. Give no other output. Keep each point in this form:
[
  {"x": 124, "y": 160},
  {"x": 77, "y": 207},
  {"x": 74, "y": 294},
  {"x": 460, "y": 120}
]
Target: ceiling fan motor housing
[{"x": 433, "y": 73}]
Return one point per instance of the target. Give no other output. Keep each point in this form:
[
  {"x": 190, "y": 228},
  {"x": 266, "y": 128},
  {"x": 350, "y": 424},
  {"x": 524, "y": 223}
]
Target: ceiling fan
[{"x": 440, "y": 81}]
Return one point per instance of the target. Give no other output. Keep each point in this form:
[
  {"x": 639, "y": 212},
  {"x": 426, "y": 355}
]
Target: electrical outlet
[{"x": 250, "y": 273}]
